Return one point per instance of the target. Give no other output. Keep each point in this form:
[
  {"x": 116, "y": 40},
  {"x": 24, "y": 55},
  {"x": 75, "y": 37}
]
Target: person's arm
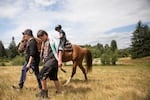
[
  {"x": 32, "y": 49},
  {"x": 61, "y": 35},
  {"x": 29, "y": 62}
]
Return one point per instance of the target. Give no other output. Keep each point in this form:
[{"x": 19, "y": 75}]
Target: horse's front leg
[{"x": 73, "y": 72}]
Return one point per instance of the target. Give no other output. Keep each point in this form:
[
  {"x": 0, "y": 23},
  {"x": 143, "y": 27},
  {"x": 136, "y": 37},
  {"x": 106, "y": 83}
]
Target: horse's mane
[{"x": 39, "y": 43}]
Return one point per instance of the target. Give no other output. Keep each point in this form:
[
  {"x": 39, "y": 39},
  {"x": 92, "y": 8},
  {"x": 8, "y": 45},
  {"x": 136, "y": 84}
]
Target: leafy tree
[
  {"x": 100, "y": 48},
  {"x": 2, "y": 50},
  {"x": 140, "y": 41},
  {"x": 124, "y": 52},
  {"x": 12, "y": 51},
  {"x": 106, "y": 56}
]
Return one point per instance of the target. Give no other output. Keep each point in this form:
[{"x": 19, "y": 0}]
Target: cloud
[
  {"x": 84, "y": 21},
  {"x": 45, "y": 2},
  {"x": 9, "y": 8}
]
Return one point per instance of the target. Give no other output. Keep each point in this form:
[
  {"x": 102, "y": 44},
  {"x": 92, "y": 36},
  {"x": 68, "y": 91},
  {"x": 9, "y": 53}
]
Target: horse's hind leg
[{"x": 83, "y": 70}]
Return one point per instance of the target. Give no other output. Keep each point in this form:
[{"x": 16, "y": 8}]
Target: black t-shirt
[
  {"x": 32, "y": 50},
  {"x": 64, "y": 35}
]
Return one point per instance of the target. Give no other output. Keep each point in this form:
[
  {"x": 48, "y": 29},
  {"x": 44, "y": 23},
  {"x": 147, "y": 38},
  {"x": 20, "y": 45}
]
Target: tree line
[
  {"x": 108, "y": 54},
  {"x": 11, "y": 52},
  {"x": 140, "y": 47}
]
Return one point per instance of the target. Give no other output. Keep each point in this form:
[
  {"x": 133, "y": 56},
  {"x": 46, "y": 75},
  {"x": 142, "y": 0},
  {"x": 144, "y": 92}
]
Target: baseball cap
[{"x": 27, "y": 32}]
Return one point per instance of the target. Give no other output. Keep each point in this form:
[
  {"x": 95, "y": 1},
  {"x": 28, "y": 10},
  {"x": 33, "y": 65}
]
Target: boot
[
  {"x": 43, "y": 94},
  {"x": 17, "y": 87}
]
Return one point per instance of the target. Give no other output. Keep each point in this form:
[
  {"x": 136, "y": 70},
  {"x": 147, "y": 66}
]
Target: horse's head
[{"x": 22, "y": 45}]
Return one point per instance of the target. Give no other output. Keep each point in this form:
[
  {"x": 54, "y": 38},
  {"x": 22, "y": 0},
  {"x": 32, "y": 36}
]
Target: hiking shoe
[
  {"x": 58, "y": 92},
  {"x": 43, "y": 94},
  {"x": 16, "y": 87}
]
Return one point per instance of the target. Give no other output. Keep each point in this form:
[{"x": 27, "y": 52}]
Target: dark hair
[
  {"x": 41, "y": 33},
  {"x": 27, "y": 32},
  {"x": 58, "y": 27}
]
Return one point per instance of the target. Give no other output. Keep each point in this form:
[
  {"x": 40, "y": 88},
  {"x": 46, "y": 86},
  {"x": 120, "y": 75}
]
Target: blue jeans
[{"x": 35, "y": 68}]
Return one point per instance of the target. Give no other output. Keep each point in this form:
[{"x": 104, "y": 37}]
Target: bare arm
[
  {"x": 61, "y": 35},
  {"x": 29, "y": 62}
]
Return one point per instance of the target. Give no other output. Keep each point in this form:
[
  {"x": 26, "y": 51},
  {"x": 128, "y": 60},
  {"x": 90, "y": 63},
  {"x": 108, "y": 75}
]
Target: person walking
[
  {"x": 32, "y": 59},
  {"x": 50, "y": 68}
]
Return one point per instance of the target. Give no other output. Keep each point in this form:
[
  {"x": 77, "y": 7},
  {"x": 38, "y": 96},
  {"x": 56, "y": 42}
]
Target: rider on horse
[{"x": 63, "y": 39}]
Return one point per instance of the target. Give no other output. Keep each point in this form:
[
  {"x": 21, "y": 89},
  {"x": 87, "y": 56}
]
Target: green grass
[{"x": 129, "y": 80}]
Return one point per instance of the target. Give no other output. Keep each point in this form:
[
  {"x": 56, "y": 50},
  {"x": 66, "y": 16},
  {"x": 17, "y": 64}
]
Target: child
[
  {"x": 62, "y": 37},
  {"x": 50, "y": 68}
]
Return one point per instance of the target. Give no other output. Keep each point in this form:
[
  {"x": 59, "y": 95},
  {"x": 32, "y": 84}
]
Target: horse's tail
[{"x": 88, "y": 57}]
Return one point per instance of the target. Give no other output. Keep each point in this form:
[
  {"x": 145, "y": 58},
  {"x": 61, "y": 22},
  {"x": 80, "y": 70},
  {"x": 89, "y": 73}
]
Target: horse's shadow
[
  {"x": 78, "y": 81},
  {"x": 77, "y": 86},
  {"x": 71, "y": 89}
]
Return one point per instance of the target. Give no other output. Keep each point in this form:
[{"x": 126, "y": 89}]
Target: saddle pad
[{"x": 68, "y": 46}]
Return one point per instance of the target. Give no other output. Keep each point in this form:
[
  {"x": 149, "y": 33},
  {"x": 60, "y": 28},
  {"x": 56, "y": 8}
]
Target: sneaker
[{"x": 43, "y": 94}]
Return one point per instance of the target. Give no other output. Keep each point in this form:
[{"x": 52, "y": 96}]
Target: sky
[{"x": 84, "y": 21}]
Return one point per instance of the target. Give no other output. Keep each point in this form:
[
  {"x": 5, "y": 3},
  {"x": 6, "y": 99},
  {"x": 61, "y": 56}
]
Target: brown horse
[{"x": 76, "y": 56}]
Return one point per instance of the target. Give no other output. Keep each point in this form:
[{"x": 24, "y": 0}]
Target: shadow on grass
[
  {"x": 78, "y": 81},
  {"x": 71, "y": 89},
  {"x": 147, "y": 96},
  {"x": 77, "y": 86}
]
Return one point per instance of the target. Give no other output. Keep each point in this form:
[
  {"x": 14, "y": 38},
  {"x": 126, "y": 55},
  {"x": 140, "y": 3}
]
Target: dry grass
[{"x": 122, "y": 82}]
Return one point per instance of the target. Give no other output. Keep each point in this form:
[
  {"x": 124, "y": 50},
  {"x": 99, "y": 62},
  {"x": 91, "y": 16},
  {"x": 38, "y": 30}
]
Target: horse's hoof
[{"x": 66, "y": 84}]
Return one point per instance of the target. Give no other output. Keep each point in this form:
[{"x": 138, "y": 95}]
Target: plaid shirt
[{"x": 45, "y": 49}]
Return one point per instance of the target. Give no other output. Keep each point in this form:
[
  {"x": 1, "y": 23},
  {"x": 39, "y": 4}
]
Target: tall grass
[{"x": 121, "y": 82}]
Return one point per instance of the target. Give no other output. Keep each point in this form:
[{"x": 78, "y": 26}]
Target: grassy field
[{"x": 129, "y": 80}]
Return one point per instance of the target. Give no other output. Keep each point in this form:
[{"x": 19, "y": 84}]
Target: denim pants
[{"x": 35, "y": 68}]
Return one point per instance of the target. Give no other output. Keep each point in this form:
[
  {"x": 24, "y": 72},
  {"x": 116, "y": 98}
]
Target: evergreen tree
[
  {"x": 12, "y": 51},
  {"x": 114, "y": 51},
  {"x": 114, "y": 45},
  {"x": 2, "y": 50},
  {"x": 140, "y": 41}
]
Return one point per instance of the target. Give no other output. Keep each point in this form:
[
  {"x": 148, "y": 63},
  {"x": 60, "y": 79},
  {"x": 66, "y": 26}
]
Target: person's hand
[
  {"x": 28, "y": 66},
  {"x": 59, "y": 64}
]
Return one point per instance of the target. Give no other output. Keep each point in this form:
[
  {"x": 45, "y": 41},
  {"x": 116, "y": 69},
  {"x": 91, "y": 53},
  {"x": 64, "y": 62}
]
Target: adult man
[
  {"x": 32, "y": 59},
  {"x": 50, "y": 68}
]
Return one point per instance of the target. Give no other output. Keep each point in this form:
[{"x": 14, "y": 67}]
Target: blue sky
[{"x": 84, "y": 21}]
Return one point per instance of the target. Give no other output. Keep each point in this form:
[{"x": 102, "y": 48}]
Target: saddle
[{"x": 68, "y": 46}]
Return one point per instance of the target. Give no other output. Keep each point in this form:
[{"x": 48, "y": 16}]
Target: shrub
[
  {"x": 18, "y": 60},
  {"x": 105, "y": 59},
  {"x": 2, "y": 64}
]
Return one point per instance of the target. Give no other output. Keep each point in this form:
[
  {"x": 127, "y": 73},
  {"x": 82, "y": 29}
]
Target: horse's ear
[{"x": 18, "y": 45}]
